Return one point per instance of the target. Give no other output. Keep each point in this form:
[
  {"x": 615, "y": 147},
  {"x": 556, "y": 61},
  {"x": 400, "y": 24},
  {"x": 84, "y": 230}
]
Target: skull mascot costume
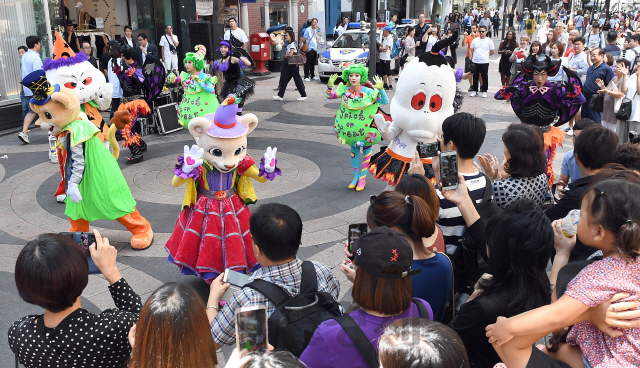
[
  {"x": 91, "y": 177},
  {"x": 74, "y": 71},
  {"x": 541, "y": 103},
  {"x": 426, "y": 94},
  {"x": 212, "y": 231}
]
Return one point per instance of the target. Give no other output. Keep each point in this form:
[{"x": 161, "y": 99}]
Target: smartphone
[
  {"x": 237, "y": 281},
  {"x": 251, "y": 329},
  {"x": 355, "y": 232},
  {"x": 426, "y": 150},
  {"x": 83, "y": 239},
  {"x": 449, "y": 170}
]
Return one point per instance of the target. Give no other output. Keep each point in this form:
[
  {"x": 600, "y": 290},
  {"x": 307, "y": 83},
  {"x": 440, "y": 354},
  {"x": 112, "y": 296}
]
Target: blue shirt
[
  {"x": 569, "y": 166},
  {"x": 603, "y": 71},
  {"x": 433, "y": 283},
  {"x": 30, "y": 62},
  {"x": 310, "y": 35}
]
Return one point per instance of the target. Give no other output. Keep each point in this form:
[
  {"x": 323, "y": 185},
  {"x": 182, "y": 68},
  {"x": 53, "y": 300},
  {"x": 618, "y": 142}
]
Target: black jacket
[{"x": 152, "y": 50}]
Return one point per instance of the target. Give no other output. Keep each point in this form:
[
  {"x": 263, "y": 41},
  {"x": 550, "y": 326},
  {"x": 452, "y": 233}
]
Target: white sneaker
[
  {"x": 473, "y": 94},
  {"x": 60, "y": 198},
  {"x": 316, "y": 78},
  {"x": 23, "y": 137},
  {"x": 302, "y": 98},
  {"x": 570, "y": 132},
  {"x": 307, "y": 80},
  {"x": 484, "y": 94},
  {"x": 278, "y": 98}
]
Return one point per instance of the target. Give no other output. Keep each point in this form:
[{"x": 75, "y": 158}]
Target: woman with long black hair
[
  {"x": 505, "y": 50},
  {"x": 292, "y": 70}
]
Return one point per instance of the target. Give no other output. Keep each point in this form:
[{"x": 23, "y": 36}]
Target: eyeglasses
[{"x": 483, "y": 31}]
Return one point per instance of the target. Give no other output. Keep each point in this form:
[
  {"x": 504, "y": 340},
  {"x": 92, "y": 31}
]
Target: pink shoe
[{"x": 361, "y": 184}]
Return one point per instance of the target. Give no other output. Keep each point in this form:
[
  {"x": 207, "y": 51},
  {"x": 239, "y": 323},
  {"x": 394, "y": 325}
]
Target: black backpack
[
  {"x": 361, "y": 341},
  {"x": 295, "y": 319},
  {"x": 529, "y": 24}
]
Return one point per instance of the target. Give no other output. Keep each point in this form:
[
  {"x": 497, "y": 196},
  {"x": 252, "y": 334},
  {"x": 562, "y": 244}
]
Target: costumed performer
[
  {"x": 91, "y": 177},
  {"x": 426, "y": 94},
  {"x": 212, "y": 231},
  {"x": 541, "y": 103},
  {"x": 354, "y": 123},
  {"x": 234, "y": 83},
  {"x": 74, "y": 71},
  {"x": 140, "y": 86},
  {"x": 199, "y": 98}
]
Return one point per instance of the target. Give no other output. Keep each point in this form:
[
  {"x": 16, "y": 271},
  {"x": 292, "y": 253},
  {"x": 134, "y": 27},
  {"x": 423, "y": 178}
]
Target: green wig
[
  {"x": 197, "y": 58},
  {"x": 358, "y": 69}
]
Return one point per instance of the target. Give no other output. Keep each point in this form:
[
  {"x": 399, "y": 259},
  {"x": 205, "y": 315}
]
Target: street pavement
[{"x": 316, "y": 171}]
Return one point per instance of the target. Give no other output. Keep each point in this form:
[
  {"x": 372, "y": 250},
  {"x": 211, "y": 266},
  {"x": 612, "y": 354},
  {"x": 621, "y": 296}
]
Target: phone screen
[
  {"x": 235, "y": 278},
  {"x": 449, "y": 170},
  {"x": 251, "y": 329},
  {"x": 426, "y": 150},
  {"x": 355, "y": 232},
  {"x": 83, "y": 239}
]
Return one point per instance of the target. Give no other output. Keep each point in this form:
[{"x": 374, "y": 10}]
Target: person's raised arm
[
  {"x": 563, "y": 246},
  {"x": 460, "y": 197}
]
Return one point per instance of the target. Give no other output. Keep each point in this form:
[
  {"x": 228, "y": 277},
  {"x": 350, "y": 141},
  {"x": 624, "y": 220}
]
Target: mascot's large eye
[
  {"x": 238, "y": 151},
  {"x": 435, "y": 103},
  {"x": 418, "y": 101},
  {"x": 48, "y": 115},
  {"x": 216, "y": 152},
  {"x": 70, "y": 85},
  {"x": 87, "y": 81}
]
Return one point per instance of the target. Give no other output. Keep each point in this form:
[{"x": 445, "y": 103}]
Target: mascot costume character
[
  {"x": 74, "y": 71},
  {"x": 426, "y": 94},
  {"x": 199, "y": 98},
  {"x": 91, "y": 177},
  {"x": 544, "y": 104},
  {"x": 234, "y": 83},
  {"x": 212, "y": 231},
  {"x": 354, "y": 124}
]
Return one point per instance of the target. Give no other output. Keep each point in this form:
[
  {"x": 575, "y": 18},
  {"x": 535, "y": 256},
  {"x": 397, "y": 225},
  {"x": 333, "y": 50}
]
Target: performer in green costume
[
  {"x": 199, "y": 98},
  {"x": 354, "y": 121}
]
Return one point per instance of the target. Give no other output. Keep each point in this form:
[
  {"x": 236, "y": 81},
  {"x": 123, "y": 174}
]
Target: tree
[{"x": 434, "y": 11}]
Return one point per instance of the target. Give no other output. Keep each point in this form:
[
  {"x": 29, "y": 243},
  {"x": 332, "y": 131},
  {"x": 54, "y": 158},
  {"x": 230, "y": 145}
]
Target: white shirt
[
  {"x": 238, "y": 34},
  {"x": 129, "y": 41},
  {"x": 339, "y": 29},
  {"x": 164, "y": 43},
  {"x": 431, "y": 40},
  {"x": 481, "y": 50},
  {"x": 631, "y": 94},
  {"x": 113, "y": 79},
  {"x": 388, "y": 41}
]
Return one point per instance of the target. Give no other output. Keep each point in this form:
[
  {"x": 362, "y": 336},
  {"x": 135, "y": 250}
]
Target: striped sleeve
[{"x": 450, "y": 220}]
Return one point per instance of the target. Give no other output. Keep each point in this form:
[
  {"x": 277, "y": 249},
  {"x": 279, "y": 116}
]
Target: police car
[{"x": 349, "y": 48}]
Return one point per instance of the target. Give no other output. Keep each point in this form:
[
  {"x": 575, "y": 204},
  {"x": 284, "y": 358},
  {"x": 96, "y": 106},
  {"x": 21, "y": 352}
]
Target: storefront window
[
  {"x": 19, "y": 19},
  {"x": 278, "y": 13}
]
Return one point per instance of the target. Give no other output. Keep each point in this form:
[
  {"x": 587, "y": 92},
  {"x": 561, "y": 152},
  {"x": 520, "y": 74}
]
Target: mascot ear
[
  {"x": 63, "y": 99},
  {"x": 248, "y": 120},
  {"x": 198, "y": 126}
]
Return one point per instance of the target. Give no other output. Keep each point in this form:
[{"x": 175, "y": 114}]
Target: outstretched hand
[
  {"x": 381, "y": 123},
  {"x": 270, "y": 159},
  {"x": 192, "y": 158},
  {"x": 378, "y": 84},
  {"x": 332, "y": 80},
  {"x": 491, "y": 166},
  {"x": 458, "y": 195}
]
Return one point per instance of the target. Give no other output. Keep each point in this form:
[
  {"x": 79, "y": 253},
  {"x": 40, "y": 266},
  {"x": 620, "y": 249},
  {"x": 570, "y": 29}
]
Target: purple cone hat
[{"x": 225, "y": 121}]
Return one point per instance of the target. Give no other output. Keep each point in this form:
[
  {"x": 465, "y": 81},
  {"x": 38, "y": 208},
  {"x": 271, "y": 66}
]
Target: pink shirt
[{"x": 597, "y": 283}]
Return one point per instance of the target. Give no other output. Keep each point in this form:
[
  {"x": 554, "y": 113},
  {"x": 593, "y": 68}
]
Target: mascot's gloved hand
[
  {"x": 378, "y": 82},
  {"x": 332, "y": 80},
  {"x": 270, "y": 160},
  {"x": 73, "y": 192},
  {"x": 382, "y": 124},
  {"x": 104, "y": 99},
  {"x": 569, "y": 87},
  {"x": 192, "y": 159}
]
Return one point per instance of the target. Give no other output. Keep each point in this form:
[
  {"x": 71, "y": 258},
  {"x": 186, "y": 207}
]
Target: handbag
[
  {"x": 298, "y": 58},
  {"x": 624, "y": 112},
  {"x": 596, "y": 103}
]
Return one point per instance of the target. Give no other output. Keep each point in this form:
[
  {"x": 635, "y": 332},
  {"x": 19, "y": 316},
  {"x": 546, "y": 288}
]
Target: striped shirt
[
  {"x": 288, "y": 276},
  {"x": 451, "y": 222}
]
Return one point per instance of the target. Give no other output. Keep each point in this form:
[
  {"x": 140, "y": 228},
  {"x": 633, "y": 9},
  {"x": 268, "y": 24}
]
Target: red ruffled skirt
[{"x": 211, "y": 236}]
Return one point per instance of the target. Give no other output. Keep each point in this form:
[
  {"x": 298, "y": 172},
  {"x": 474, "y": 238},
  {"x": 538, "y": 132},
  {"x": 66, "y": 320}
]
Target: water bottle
[
  {"x": 53, "y": 153},
  {"x": 570, "y": 223}
]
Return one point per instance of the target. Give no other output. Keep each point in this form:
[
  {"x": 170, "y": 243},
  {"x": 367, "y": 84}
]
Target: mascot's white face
[
  {"x": 424, "y": 98},
  {"x": 88, "y": 82}
]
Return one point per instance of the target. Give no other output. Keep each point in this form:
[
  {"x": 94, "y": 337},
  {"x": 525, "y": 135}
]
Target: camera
[{"x": 634, "y": 137}]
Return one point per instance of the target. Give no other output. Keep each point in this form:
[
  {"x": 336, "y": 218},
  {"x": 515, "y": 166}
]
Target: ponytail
[{"x": 629, "y": 238}]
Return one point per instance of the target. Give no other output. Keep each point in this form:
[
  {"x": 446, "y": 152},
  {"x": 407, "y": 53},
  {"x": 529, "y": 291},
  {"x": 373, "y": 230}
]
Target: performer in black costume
[{"x": 230, "y": 65}]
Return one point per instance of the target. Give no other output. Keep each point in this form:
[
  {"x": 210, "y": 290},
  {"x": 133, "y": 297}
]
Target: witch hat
[
  {"x": 225, "y": 121},
  {"x": 63, "y": 55}
]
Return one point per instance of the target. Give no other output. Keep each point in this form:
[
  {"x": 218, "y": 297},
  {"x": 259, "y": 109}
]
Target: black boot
[
  {"x": 143, "y": 145},
  {"x": 136, "y": 154}
]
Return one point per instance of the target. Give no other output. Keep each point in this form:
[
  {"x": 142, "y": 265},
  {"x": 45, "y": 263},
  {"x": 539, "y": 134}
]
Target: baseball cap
[
  {"x": 382, "y": 247},
  {"x": 388, "y": 28}
]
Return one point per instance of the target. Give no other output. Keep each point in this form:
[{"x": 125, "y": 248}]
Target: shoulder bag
[
  {"x": 298, "y": 58},
  {"x": 596, "y": 103},
  {"x": 624, "y": 112}
]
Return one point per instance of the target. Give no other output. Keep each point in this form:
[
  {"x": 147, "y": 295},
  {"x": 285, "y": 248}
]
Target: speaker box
[{"x": 207, "y": 34}]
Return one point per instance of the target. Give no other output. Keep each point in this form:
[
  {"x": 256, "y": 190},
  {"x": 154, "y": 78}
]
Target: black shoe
[
  {"x": 390, "y": 88},
  {"x": 143, "y": 145},
  {"x": 136, "y": 154},
  {"x": 396, "y": 79},
  {"x": 386, "y": 88},
  {"x": 470, "y": 89},
  {"x": 277, "y": 88}
]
